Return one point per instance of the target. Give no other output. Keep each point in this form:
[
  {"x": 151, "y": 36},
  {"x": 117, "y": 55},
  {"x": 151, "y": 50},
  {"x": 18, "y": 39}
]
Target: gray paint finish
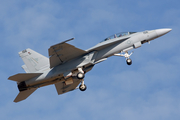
[{"x": 67, "y": 62}]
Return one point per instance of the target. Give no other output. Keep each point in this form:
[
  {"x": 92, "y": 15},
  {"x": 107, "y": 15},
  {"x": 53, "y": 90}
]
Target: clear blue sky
[{"x": 147, "y": 90}]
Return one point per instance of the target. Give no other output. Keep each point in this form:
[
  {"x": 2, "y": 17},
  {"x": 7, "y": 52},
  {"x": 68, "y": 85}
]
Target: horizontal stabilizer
[
  {"x": 23, "y": 76},
  {"x": 24, "y": 94}
]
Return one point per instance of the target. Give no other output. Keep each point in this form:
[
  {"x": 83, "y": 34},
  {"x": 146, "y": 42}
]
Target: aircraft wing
[
  {"x": 63, "y": 52},
  {"x": 61, "y": 87}
]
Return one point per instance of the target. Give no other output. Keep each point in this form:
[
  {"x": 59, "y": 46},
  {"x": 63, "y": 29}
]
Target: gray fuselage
[{"x": 93, "y": 56}]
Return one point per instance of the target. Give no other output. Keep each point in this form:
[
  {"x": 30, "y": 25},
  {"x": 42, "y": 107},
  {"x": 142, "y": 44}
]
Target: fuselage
[{"x": 94, "y": 55}]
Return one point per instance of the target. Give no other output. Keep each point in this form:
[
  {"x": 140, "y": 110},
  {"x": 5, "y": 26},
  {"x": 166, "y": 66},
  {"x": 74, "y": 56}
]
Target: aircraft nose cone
[{"x": 161, "y": 32}]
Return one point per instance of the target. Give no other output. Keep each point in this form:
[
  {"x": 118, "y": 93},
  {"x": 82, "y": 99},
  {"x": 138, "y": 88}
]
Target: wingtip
[
  {"x": 16, "y": 101},
  {"x": 72, "y": 38},
  {"x": 69, "y": 39}
]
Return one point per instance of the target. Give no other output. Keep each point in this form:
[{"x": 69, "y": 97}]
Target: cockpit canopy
[{"x": 118, "y": 35}]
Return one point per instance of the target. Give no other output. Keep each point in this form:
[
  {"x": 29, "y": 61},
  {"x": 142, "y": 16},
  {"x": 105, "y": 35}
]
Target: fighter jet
[{"x": 67, "y": 65}]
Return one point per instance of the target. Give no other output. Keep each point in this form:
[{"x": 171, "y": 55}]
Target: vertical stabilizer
[
  {"x": 25, "y": 68},
  {"x": 33, "y": 61}
]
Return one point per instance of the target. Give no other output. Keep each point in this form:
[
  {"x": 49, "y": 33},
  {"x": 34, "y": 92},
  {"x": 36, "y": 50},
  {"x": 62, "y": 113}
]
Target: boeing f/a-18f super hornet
[{"x": 67, "y": 65}]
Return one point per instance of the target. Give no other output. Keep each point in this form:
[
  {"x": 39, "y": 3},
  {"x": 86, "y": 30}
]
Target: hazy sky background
[{"x": 149, "y": 89}]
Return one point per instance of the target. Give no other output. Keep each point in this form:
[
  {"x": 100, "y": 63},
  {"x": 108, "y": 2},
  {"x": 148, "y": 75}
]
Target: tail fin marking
[{"x": 33, "y": 61}]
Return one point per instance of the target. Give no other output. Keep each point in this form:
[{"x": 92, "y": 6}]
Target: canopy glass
[{"x": 118, "y": 35}]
